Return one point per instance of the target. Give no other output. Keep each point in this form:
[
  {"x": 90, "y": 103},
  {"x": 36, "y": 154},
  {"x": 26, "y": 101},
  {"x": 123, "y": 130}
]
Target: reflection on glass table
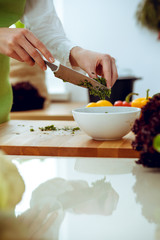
[
  {"x": 147, "y": 189},
  {"x": 85, "y": 198},
  {"x": 58, "y": 195}
]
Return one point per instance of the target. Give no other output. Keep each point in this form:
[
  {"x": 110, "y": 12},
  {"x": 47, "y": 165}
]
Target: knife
[{"x": 72, "y": 76}]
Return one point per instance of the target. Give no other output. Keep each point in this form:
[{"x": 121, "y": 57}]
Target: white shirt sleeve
[{"x": 40, "y": 17}]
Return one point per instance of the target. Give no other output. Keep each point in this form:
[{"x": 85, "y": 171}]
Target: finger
[
  {"x": 99, "y": 70},
  {"x": 15, "y": 56},
  {"x": 114, "y": 72},
  {"x": 24, "y": 55},
  {"x": 92, "y": 74},
  {"x": 107, "y": 71},
  {"x": 32, "y": 52},
  {"x": 28, "y": 216},
  {"x": 40, "y": 46},
  {"x": 37, "y": 222},
  {"x": 46, "y": 226}
]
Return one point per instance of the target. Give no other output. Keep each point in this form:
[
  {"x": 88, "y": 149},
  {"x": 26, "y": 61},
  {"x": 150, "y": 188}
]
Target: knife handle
[
  {"x": 54, "y": 66},
  {"x": 57, "y": 63}
]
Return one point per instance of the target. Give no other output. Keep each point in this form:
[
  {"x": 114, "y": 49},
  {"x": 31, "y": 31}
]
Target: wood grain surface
[{"x": 17, "y": 139}]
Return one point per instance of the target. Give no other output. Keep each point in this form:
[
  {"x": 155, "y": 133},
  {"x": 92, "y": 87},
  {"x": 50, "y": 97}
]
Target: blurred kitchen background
[{"x": 109, "y": 27}]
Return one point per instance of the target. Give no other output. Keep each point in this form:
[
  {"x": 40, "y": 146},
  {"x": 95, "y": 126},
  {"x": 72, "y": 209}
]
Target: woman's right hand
[{"x": 21, "y": 44}]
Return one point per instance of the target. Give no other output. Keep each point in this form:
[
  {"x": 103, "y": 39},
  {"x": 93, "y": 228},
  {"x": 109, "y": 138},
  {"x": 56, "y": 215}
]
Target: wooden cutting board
[{"x": 16, "y": 138}]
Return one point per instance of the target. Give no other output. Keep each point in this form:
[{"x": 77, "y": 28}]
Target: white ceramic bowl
[{"x": 106, "y": 123}]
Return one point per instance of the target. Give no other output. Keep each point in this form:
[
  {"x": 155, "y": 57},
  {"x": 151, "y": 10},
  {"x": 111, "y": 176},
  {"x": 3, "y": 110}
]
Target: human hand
[
  {"x": 94, "y": 64},
  {"x": 37, "y": 222},
  {"x": 21, "y": 44}
]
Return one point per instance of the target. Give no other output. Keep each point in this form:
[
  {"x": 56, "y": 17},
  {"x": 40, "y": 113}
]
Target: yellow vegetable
[
  {"x": 100, "y": 103},
  {"x": 104, "y": 103},
  {"x": 11, "y": 184},
  {"x": 91, "y": 104},
  {"x": 140, "y": 102}
]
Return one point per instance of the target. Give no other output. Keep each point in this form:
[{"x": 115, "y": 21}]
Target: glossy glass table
[{"x": 89, "y": 198}]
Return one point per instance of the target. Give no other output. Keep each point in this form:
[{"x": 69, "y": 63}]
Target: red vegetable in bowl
[{"x": 125, "y": 103}]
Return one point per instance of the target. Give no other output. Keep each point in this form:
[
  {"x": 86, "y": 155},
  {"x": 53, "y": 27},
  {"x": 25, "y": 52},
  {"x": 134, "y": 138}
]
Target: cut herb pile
[
  {"x": 146, "y": 129},
  {"x": 53, "y": 128},
  {"x": 97, "y": 91},
  {"x": 48, "y": 128},
  {"x": 70, "y": 129}
]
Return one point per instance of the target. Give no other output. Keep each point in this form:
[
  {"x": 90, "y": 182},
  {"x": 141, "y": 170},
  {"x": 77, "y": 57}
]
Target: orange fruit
[
  {"x": 104, "y": 103},
  {"x": 91, "y": 104}
]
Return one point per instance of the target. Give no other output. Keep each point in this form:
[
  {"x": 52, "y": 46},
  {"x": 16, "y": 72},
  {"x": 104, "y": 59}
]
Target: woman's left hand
[
  {"x": 37, "y": 222},
  {"x": 94, "y": 64}
]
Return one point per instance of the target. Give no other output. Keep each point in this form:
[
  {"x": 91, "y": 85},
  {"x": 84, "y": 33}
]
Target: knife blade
[{"x": 72, "y": 76}]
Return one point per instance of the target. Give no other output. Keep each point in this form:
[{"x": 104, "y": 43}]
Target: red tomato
[
  {"x": 126, "y": 104},
  {"x": 118, "y": 103},
  {"x": 122, "y": 104}
]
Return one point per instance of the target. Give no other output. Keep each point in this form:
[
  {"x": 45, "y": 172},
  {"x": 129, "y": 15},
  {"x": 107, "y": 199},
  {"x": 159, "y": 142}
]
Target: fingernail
[{"x": 51, "y": 59}]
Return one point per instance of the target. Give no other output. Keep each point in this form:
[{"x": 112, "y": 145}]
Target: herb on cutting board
[
  {"x": 97, "y": 91},
  {"x": 147, "y": 131},
  {"x": 48, "y": 128},
  {"x": 70, "y": 129},
  {"x": 53, "y": 128},
  {"x": 75, "y": 129}
]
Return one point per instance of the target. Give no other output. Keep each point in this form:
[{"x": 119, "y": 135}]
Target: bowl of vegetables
[{"x": 106, "y": 123}]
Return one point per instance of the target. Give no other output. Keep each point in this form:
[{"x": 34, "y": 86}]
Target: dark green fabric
[{"x": 10, "y": 12}]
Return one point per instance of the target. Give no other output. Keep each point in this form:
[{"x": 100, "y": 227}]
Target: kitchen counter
[
  {"x": 55, "y": 111},
  {"x": 94, "y": 199},
  {"x": 24, "y": 137}
]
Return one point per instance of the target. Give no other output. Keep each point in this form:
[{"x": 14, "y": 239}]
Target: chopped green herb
[
  {"x": 48, "y": 128},
  {"x": 31, "y": 130},
  {"x": 106, "y": 112},
  {"x": 53, "y": 128},
  {"x": 101, "y": 80},
  {"x": 65, "y": 128},
  {"x": 70, "y": 129},
  {"x": 97, "y": 91},
  {"x": 75, "y": 129}
]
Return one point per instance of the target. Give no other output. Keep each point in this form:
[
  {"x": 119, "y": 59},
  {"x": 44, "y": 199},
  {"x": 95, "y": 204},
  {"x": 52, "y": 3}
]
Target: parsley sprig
[{"x": 97, "y": 91}]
